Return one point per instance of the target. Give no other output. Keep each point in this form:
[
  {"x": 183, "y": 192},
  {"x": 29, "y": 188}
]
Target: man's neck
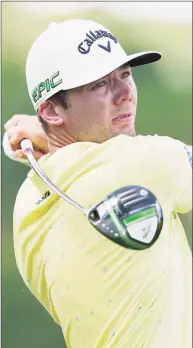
[{"x": 58, "y": 139}]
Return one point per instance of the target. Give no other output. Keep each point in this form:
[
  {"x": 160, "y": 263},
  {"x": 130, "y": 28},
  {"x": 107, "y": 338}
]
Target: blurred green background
[{"x": 164, "y": 108}]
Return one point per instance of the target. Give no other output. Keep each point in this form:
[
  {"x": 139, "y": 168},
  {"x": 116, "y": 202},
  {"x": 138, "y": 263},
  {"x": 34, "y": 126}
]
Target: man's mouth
[{"x": 122, "y": 118}]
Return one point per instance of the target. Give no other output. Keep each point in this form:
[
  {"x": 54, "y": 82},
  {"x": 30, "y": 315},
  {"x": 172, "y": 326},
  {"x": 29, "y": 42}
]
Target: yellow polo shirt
[{"x": 101, "y": 294}]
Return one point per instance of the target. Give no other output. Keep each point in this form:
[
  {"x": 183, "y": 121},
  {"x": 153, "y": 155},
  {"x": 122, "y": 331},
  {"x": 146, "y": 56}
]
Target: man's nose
[{"x": 122, "y": 92}]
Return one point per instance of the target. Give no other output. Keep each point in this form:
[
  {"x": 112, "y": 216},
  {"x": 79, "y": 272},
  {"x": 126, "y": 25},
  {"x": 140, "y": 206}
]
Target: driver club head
[{"x": 130, "y": 216}]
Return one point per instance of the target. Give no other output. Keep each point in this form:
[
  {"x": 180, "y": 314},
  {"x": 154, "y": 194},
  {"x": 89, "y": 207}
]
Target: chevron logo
[{"x": 108, "y": 48}]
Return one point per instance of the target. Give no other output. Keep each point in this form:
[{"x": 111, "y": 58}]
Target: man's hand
[{"x": 20, "y": 127}]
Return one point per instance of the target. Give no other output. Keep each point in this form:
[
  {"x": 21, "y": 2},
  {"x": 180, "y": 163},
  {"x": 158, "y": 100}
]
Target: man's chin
[{"x": 126, "y": 131}]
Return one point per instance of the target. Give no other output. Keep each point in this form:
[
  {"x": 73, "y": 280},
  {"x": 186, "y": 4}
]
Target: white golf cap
[{"x": 73, "y": 53}]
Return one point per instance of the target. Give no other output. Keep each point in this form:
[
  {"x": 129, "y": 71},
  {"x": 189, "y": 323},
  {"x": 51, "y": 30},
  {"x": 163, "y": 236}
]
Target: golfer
[{"x": 102, "y": 295}]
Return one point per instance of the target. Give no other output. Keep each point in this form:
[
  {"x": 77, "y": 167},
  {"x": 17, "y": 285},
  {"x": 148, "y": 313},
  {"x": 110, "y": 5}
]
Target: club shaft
[{"x": 42, "y": 175}]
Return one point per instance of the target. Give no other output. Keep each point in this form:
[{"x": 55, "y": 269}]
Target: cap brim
[{"x": 143, "y": 58}]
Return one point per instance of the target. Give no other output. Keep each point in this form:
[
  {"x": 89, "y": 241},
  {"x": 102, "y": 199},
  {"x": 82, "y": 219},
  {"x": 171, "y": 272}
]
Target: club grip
[{"x": 26, "y": 144}]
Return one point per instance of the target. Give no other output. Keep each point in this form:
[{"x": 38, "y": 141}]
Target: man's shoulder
[
  {"x": 28, "y": 193},
  {"x": 141, "y": 139},
  {"x": 159, "y": 141}
]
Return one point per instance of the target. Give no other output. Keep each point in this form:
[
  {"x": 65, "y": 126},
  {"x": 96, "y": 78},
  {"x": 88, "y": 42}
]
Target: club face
[{"x": 130, "y": 216}]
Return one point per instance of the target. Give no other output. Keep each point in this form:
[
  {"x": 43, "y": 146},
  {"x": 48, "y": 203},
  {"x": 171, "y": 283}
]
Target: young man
[{"x": 102, "y": 295}]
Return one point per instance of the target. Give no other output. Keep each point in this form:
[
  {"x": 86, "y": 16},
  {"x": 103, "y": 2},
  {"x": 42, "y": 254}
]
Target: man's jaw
[{"x": 130, "y": 131}]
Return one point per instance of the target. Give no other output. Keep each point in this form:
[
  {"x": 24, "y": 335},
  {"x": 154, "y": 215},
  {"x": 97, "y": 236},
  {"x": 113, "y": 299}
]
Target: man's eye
[
  {"x": 126, "y": 74},
  {"x": 100, "y": 84}
]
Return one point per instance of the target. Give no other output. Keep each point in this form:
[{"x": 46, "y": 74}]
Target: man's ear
[{"x": 51, "y": 114}]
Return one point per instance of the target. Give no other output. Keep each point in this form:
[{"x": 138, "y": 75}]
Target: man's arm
[
  {"x": 183, "y": 201},
  {"x": 176, "y": 162},
  {"x": 21, "y": 127}
]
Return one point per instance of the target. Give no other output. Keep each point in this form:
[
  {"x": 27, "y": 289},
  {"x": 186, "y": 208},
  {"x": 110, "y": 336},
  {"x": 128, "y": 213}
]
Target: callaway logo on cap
[
  {"x": 91, "y": 37},
  {"x": 73, "y": 53}
]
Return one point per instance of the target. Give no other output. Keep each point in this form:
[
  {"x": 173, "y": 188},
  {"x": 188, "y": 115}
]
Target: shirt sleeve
[
  {"x": 9, "y": 152},
  {"x": 177, "y": 158},
  {"x": 183, "y": 199}
]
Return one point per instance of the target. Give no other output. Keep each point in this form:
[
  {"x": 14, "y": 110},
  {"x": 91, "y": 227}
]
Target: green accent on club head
[
  {"x": 141, "y": 215},
  {"x": 136, "y": 245}
]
